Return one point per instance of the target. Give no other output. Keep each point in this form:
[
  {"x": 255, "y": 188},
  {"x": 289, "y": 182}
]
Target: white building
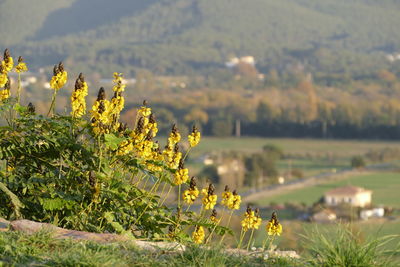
[{"x": 355, "y": 196}]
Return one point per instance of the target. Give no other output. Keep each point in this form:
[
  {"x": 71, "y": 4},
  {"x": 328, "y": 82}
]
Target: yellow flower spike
[
  {"x": 227, "y": 197},
  {"x": 194, "y": 137},
  {"x": 273, "y": 226},
  {"x": 251, "y": 220},
  {"x": 3, "y": 78},
  {"x": 190, "y": 195},
  {"x": 59, "y": 78},
  {"x": 78, "y": 101},
  {"x": 5, "y": 93},
  {"x": 21, "y": 67},
  {"x": 8, "y": 62},
  {"x": 118, "y": 79},
  {"x": 174, "y": 136},
  {"x": 213, "y": 217},
  {"x": 236, "y": 200},
  {"x": 100, "y": 113},
  {"x": 209, "y": 198},
  {"x": 256, "y": 219},
  {"x": 198, "y": 235},
  {"x": 181, "y": 175},
  {"x": 144, "y": 111}
]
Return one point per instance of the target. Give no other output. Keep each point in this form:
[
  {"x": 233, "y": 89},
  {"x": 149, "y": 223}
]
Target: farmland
[
  {"x": 312, "y": 156},
  {"x": 385, "y": 187}
]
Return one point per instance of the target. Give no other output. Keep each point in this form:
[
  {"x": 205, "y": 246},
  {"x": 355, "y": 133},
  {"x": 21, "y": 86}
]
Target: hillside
[{"x": 180, "y": 36}]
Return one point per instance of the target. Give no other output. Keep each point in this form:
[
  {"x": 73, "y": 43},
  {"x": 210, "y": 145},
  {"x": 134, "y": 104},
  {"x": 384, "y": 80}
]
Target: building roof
[{"x": 347, "y": 190}]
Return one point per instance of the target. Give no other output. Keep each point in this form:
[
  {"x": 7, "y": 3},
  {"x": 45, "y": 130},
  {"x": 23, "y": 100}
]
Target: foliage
[
  {"x": 93, "y": 173},
  {"x": 357, "y": 162},
  {"x": 346, "y": 248},
  {"x": 273, "y": 151},
  {"x": 261, "y": 168}
]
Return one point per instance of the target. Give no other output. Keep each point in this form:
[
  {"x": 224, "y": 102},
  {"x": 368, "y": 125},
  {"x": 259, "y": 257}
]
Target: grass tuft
[{"x": 348, "y": 248}]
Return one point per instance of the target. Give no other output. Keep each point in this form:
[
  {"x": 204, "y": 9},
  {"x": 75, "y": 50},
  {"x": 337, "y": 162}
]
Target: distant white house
[{"x": 353, "y": 195}]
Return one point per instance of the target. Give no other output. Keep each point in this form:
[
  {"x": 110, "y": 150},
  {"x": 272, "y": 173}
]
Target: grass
[
  {"x": 385, "y": 188},
  {"x": 40, "y": 249},
  {"x": 347, "y": 247}
]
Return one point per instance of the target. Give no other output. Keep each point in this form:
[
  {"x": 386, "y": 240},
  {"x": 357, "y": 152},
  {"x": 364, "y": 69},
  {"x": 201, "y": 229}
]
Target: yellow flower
[
  {"x": 78, "y": 102},
  {"x": 256, "y": 220},
  {"x": 190, "y": 195},
  {"x": 209, "y": 198},
  {"x": 198, "y": 235},
  {"x": 172, "y": 157},
  {"x": 273, "y": 226},
  {"x": 59, "y": 78},
  {"x": 227, "y": 197},
  {"x": 251, "y": 220},
  {"x": 144, "y": 111},
  {"x": 174, "y": 137},
  {"x": 194, "y": 137},
  {"x": 124, "y": 148},
  {"x": 118, "y": 87},
  {"x": 21, "y": 67},
  {"x": 213, "y": 217},
  {"x": 181, "y": 176},
  {"x": 3, "y": 78},
  {"x": 100, "y": 113},
  {"x": 8, "y": 62},
  {"x": 235, "y": 204},
  {"x": 5, "y": 93}
]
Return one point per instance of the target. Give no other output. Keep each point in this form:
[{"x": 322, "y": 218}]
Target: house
[{"x": 353, "y": 195}]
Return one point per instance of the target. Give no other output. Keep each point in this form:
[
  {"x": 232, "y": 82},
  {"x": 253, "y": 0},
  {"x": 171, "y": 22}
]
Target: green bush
[{"x": 357, "y": 162}]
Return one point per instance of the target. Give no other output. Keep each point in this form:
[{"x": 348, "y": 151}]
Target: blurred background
[{"x": 294, "y": 98}]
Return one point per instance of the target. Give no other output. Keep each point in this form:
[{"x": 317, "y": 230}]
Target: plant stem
[
  {"x": 179, "y": 196},
  {"x": 19, "y": 88},
  {"x": 166, "y": 196},
  {"x": 52, "y": 106},
  {"x": 251, "y": 237},
  {"x": 242, "y": 233},
  {"x": 227, "y": 225}
]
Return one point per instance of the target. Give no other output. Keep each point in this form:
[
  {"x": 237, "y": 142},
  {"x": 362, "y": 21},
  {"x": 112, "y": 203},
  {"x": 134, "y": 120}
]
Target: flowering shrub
[{"x": 88, "y": 171}]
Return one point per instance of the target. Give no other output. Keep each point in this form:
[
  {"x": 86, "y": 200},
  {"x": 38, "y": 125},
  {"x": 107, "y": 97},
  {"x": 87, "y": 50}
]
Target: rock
[
  {"x": 4, "y": 225},
  {"x": 31, "y": 227},
  {"x": 153, "y": 246},
  {"x": 268, "y": 254}
]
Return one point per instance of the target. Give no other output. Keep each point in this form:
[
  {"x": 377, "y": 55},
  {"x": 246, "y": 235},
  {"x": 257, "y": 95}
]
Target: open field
[
  {"x": 341, "y": 148},
  {"x": 385, "y": 188},
  {"x": 311, "y": 156}
]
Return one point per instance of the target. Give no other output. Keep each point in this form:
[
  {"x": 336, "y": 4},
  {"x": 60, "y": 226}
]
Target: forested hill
[{"x": 178, "y": 36}]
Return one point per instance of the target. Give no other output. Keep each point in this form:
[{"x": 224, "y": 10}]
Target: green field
[
  {"x": 322, "y": 147},
  {"x": 385, "y": 186},
  {"x": 312, "y": 156}
]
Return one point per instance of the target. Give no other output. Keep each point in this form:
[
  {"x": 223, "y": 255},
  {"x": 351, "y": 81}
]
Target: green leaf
[{"x": 113, "y": 141}]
